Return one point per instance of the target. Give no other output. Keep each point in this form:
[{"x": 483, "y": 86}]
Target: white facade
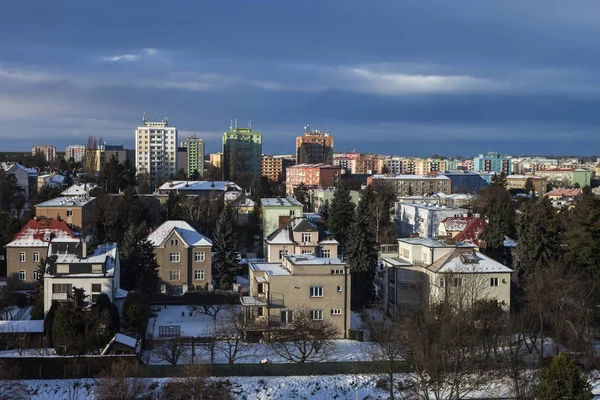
[
  {"x": 75, "y": 151},
  {"x": 423, "y": 219},
  {"x": 156, "y": 150}
]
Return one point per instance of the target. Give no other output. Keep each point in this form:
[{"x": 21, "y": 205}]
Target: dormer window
[{"x": 306, "y": 237}]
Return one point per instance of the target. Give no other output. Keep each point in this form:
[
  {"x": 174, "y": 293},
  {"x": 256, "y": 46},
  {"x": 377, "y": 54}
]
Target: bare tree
[
  {"x": 195, "y": 384},
  {"x": 170, "y": 351},
  {"x": 230, "y": 336},
  {"x": 212, "y": 310},
  {"x": 122, "y": 381},
  {"x": 10, "y": 387},
  {"x": 307, "y": 338}
]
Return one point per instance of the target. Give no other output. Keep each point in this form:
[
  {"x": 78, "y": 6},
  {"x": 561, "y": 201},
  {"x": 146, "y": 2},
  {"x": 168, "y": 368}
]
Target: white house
[
  {"x": 279, "y": 211},
  {"x": 423, "y": 218},
  {"x": 431, "y": 271},
  {"x": 77, "y": 266},
  {"x": 26, "y": 177}
]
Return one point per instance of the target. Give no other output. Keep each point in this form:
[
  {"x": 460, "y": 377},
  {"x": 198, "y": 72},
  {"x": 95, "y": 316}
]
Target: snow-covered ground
[
  {"x": 262, "y": 388},
  {"x": 191, "y": 326}
]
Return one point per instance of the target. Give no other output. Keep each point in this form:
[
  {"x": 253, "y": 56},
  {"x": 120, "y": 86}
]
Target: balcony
[
  {"x": 60, "y": 296},
  {"x": 273, "y": 300}
]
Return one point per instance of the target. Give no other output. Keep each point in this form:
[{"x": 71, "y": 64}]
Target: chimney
[
  {"x": 414, "y": 235},
  {"x": 83, "y": 249},
  {"x": 450, "y": 242},
  {"x": 284, "y": 219}
]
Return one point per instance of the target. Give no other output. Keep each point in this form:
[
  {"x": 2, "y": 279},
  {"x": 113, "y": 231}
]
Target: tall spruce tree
[
  {"x": 583, "y": 232},
  {"x": 225, "y": 249},
  {"x": 341, "y": 216},
  {"x": 538, "y": 234},
  {"x": 563, "y": 379},
  {"x": 362, "y": 253},
  {"x": 324, "y": 211},
  {"x": 139, "y": 267}
]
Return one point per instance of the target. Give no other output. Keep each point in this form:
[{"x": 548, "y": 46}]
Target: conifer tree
[
  {"x": 362, "y": 253},
  {"x": 583, "y": 232},
  {"x": 324, "y": 211},
  {"x": 225, "y": 249},
  {"x": 341, "y": 215},
  {"x": 139, "y": 267},
  {"x": 563, "y": 379}
]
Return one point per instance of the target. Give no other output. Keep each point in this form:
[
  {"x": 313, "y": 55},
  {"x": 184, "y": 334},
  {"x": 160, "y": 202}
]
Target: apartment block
[
  {"x": 278, "y": 289},
  {"x": 519, "y": 181},
  {"x": 184, "y": 257},
  {"x": 417, "y": 185},
  {"x": 314, "y": 147},
  {"x": 312, "y": 175},
  {"x": 76, "y": 152},
  {"x": 27, "y": 249},
  {"x": 242, "y": 153},
  {"x": 156, "y": 150},
  {"x": 567, "y": 176},
  {"x": 194, "y": 155},
  {"x": 274, "y": 167},
  {"x": 106, "y": 151},
  {"x": 47, "y": 150},
  {"x": 492, "y": 162},
  {"x": 423, "y": 219},
  {"x": 78, "y": 212}
]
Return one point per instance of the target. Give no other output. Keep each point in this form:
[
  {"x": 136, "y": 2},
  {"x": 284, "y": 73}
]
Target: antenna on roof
[
  {"x": 230, "y": 124},
  {"x": 236, "y": 123},
  {"x": 250, "y": 124},
  {"x": 144, "y": 117}
]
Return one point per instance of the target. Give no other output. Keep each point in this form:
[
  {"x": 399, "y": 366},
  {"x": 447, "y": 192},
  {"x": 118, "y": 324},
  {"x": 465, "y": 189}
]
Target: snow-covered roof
[
  {"x": 7, "y": 167},
  {"x": 411, "y": 177},
  {"x": 32, "y": 326},
  {"x": 39, "y": 232},
  {"x": 281, "y": 202},
  {"x": 121, "y": 293},
  {"x": 68, "y": 253},
  {"x": 189, "y": 235},
  {"x": 429, "y": 242},
  {"x": 285, "y": 234},
  {"x": 199, "y": 186},
  {"x": 456, "y": 224},
  {"x": 311, "y": 259},
  {"x": 252, "y": 301},
  {"x": 78, "y": 190},
  {"x": 270, "y": 268},
  {"x": 124, "y": 340},
  {"x": 462, "y": 261},
  {"x": 66, "y": 201},
  {"x": 434, "y": 207},
  {"x": 563, "y": 192}
]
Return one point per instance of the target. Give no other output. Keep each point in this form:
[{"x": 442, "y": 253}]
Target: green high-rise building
[
  {"x": 242, "y": 153},
  {"x": 195, "y": 155}
]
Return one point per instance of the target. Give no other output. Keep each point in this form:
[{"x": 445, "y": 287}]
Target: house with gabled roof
[
  {"x": 300, "y": 236},
  {"x": 452, "y": 226},
  {"x": 25, "y": 252},
  {"x": 183, "y": 255},
  {"x": 429, "y": 271}
]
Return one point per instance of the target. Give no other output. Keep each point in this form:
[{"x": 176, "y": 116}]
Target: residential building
[
  {"x": 274, "y": 167},
  {"x": 182, "y": 161},
  {"x": 30, "y": 246},
  {"x": 27, "y": 178},
  {"x": 81, "y": 191},
  {"x": 195, "y": 155},
  {"x": 318, "y": 196},
  {"x": 414, "y": 185},
  {"x": 156, "y": 150},
  {"x": 563, "y": 177},
  {"x": 242, "y": 153},
  {"x": 79, "y": 265},
  {"x": 300, "y": 236},
  {"x": 312, "y": 175},
  {"x": 76, "y": 152},
  {"x": 492, "y": 162},
  {"x": 465, "y": 181},
  {"x": 215, "y": 159},
  {"x": 519, "y": 182},
  {"x": 106, "y": 151},
  {"x": 77, "y": 212},
  {"x": 47, "y": 150},
  {"x": 561, "y": 197},
  {"x": 423, "y": 219},
  {"x": 472, "y": 232},
  {"x": 314, "y": 147},
  {"x": 279, "y": 289},
  {"x": 199, "y": 188},
  {"x": 428, "y": 271},
  {"x": 452, "y": 226},
  {"x": 346, "y": 161},
  {"x": 277, "y": 212},
  {"x": 184, "y": 257}
]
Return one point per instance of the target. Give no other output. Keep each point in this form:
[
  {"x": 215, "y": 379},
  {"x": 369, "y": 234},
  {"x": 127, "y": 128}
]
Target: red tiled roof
[
  {"x": 472, "y": 233},
  {"x": 455, "y": 224},
  {"x": 39, "y": 232},
  {"x": 562, "y": 192}
]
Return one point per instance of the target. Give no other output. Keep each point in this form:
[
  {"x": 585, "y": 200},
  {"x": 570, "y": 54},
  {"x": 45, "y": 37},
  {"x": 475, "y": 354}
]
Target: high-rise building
[
  {"x": 195, "y": 155},
  {"x": 76, "y": 152},
  {"x": 47, "y": 150},
  {"x": 274, "y": 167},
  {"x": 242, "y": 152},
  {"x": 314, "y": 147},
  {"x": 156, "y": 150},
  {"x": 215, "y": 159},
  {"x": 492, "y": 162}
]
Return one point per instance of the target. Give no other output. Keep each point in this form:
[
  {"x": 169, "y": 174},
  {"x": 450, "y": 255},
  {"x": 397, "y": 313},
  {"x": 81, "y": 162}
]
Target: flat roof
[
  {"x": 66, "y": 202},
  {"x": 433, "y": 207},
  {"x": 396, "y": 262},
  {"x": 310, "y": 259},
  {"x": 412, "y": 177},
  {"x": 429, "y": 242},
  {"x": 281, "y": 202},
  {"x": 270, "y": 268}
]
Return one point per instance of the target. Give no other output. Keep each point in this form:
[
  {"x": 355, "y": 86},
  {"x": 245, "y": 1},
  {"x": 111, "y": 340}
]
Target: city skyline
[{"x": 386, "y": 77}]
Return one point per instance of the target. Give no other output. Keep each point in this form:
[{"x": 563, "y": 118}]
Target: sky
[{"x": 407, "y": 77}]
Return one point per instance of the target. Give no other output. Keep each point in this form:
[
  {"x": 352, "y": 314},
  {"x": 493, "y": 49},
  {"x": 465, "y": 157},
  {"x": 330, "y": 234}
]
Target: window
[
  {"x": 405, "y": 253},
  {"x": 174, "y": 242},
  {"x": 36, "y": 256},
  {"x": 307, "y": 251},
  {"x": 442, "y": 282},
  {"x": 282, "y": 253},
  {"x": 392, "y": 296},
  {"x": 22, "y": 275},
  {"x": 199, "y": 257},
  {"x": 493, "y": 281},
  {"x": 61, "y": 288},
  {"x": 199, "y": 274},
  {"x": 306, "y": 237},
  {"x": 260, "y": 312},
  {"x": 36, "y": 275},
  {"x": 340, "y": 288},
  {"x": 174, "y": 257},
  {"x": 326, "y": 253},
  {"x": 69, "y": 213},
  {"x": 337, "y": 272},
  {"x": 316, "y": 315},
  {"x": 316, "y": 291},
  {"x": 96, "y": 287},
  {"x": 261, "y": 288},
  {"x": 336, "y": 311},
  {"x": 174, "y": 275},
  {"x": 22, "y": 257},
  {"x": 286, "y": 317},
  {"x": 424, "y": 256},
  {"x": 457, "y": 282},
  {"x": 292, "y": 213}
]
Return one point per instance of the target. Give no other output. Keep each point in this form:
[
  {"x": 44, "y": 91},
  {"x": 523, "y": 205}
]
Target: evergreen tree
[
  {"x": 135, "y": 312},
  {"x": 495, "y": 205},
  {"x": 539, "y": 235},
  {"x": 362, "y": 253},
  {"x": 195, "y": 175},
  {"x": 324, "y": 211},
  {"x": 562, "y": 380},
  {"x": 499, "y": 180},
  {"x": 529, "y": 186},
  {"x": 128, "y": 174},
  {"x": 410, "y": 190},
  {"x": 49, "y": 322},
  {"x": 341, "y": 216},
  {"x": 139, "y": 267},
  {"x": 225, "y": 249},
  {"x": 583, "y": 232}
]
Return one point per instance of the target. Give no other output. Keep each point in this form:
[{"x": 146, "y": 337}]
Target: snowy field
[{"x": 262, "y": 388}]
